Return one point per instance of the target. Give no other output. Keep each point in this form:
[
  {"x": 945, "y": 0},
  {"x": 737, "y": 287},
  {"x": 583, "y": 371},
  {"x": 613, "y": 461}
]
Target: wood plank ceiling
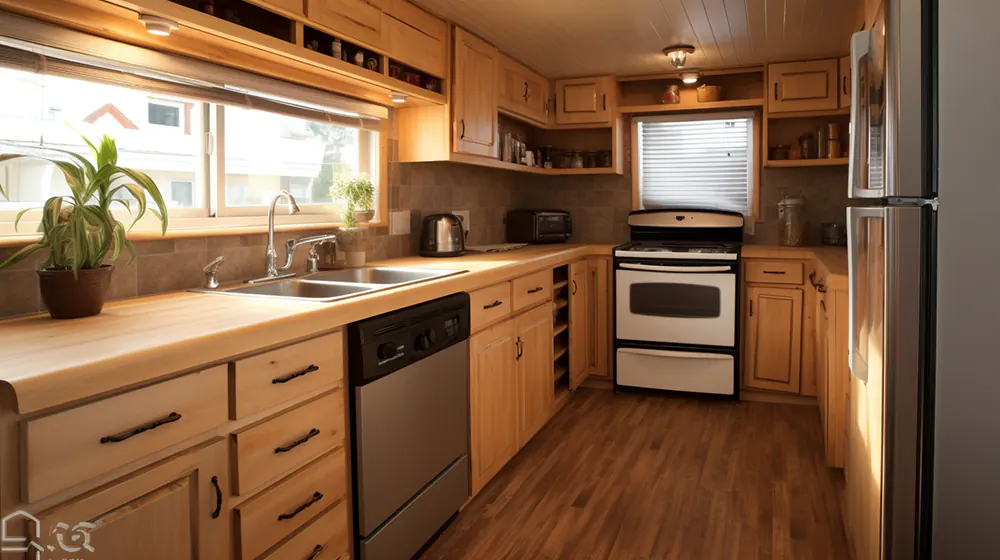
[{"x": 563, "y": 38}]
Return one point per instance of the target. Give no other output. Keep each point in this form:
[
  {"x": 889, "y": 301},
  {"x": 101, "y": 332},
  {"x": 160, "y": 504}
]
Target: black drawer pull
[
  {"x": 312, "y": 433},
  {"x": 291, "y": 376},
  {"x": 172, "y": 417},
  {"x": 774, "y": 272},
  {"x": 317, "y": 496},
  {"x": 218, "y": 498},
  {"x": 496, "y": 303},
  {"x": 535, "y": 290},
  {"x": 316, "y": 552}
]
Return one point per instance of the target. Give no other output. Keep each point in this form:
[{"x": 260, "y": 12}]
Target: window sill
[{"x": 196, "y": 227}]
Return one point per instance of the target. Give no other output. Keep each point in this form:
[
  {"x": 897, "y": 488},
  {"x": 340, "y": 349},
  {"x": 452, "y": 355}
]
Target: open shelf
[
  {"x": 825, "y": 162},
  {"x": 559, "y": 284},
  {"x": 414, "y": 77},
  {"x": 246, "y": 15},
  {"x": 594, "y": 146},
  {"x": 809, "y": 114},
  {"x": 559, "y": 328},
  {"x": 707, "y": 106},
  {"x": 322, "y": 42},
  {"x": 559, "y": 350},
  {"x": 559, "y": 304},
  {"x": 560, "y": 371}
]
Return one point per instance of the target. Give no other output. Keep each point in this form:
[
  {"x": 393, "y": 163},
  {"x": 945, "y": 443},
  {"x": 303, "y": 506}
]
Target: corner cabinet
[
  {"x": 773, "y": 340},
  {"x": 523, "y": 92},
  {"x": 585, "y": 100},
  {"x": 493, "y": 401},
  {"x": 803, "y": 86},
  {"x": 474, "y": 95}
]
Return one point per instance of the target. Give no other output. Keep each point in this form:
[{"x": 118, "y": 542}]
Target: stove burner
[{"x": 666, "y": 249}]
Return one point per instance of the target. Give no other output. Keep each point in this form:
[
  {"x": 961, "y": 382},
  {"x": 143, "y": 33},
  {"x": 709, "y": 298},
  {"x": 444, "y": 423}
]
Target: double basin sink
[{"x": 336, "y": 284}]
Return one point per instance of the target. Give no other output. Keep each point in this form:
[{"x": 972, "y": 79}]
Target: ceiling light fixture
[
  {"x": 398, "y": 97},
  {"x": 690, "y": 77},
  {"x": 156, "y": 25},
  {"x": 678, "y": 54}
]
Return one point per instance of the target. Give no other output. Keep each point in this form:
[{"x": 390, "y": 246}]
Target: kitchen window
[
  {"x": 697, "y": 161},
  {"x": 217, "y": 152}
]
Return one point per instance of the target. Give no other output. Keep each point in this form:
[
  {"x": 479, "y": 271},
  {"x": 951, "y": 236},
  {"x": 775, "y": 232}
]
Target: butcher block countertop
[
  {"x": 49, "y": 363},
  {"x": 830, "y": 262}
]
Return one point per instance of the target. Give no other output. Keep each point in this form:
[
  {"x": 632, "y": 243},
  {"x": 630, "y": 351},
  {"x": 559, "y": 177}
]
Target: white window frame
[{"x": 753, "y": 157}]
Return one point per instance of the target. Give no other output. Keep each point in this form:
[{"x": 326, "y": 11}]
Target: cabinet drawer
[
  {"x": 275, "y": 447},
  {"x": 774, "y": 272},
  {"x": 356, "y": 19},
  {"x": 532, "y": 289},
  {"x": 415, "y": 48},
  {"x": 489, "y": 305},
  {"x": 323, "y": 539},
  {"x": 266, "y": 519},
  {"x": 267, "y": 380},
  {"x": 76, "y": 445}
]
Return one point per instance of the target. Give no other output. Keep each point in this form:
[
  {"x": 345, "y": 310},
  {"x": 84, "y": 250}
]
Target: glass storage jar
[{"x": 792, "y": 221}]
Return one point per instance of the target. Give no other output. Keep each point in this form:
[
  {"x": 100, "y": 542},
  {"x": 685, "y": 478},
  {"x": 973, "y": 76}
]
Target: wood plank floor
[{"x": 630, "y": 476}]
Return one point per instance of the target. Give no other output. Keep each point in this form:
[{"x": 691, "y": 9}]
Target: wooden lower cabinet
[
  {"x": 579, "y": 323},
  {"x": 492, "y": 401},
  {"x": 174, "y": 510},
  {"x": 599, "y": 315},
  {"x": 773, "y": 339},
  {"x": 534, "y": 371}
]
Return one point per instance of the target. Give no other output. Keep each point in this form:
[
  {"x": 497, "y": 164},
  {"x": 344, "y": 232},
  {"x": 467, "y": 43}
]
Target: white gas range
[{"x": 676, "y": 301}]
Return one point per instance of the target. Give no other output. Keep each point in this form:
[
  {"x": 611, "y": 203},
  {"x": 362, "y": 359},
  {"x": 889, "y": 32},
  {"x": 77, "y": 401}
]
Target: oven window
[{"x": 661, "y": 299}]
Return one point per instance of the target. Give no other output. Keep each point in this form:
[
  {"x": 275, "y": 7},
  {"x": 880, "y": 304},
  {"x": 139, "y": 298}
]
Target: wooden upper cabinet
[
  {"x": 579, "y": 295},
  {"x": 474, "y": 95},
  {"x": 292, "y": 7},
  {"x": 773, "y": 339},
  {"x": 416, "y": 38},
  {"x": 598, "y": 317},
  {"x": 585, "y": 100},
  {"x": 803, "y": 86},
  {"x": 535, "y": 383},
  {"x": 492, "y": 401},
  {"x": 523, "y": 92},
  {"x": 355, "y": 19},
  {"x": 177, "y": 509},
  {"x": 844, "y": 85}
]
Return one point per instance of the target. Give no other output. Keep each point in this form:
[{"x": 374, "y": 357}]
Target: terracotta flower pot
[{"x": 69, "y": 297}]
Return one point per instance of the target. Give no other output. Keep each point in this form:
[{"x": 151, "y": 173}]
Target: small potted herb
[
  {"x": 79, "y": 230},
  {"x": 358, "y": 194}
]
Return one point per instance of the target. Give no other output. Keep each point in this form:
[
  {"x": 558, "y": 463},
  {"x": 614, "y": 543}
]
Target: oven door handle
[
  {"x": 667, "y": 268},
  {"x": 673, "y": 354}
]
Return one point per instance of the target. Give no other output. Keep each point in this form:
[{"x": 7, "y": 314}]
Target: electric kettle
[{"x": 442, "y": 235}]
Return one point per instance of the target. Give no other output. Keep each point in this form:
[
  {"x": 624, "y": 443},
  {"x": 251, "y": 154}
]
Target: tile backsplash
[{"x": 599, "y": 205}]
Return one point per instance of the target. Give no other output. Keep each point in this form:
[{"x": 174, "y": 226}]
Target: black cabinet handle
[
  {"x": 172, "y": 417},
  {"x": 822, "y": 303},
  {"x": 291, "y": 376},
  {"x": 317, "y": 496},
  {"x": 774, "y": 272},
  {"x": 844, "y": 86},
  {"x": 751, "y": 308},
  {"x": 574, "y": 286},
  {"x": 525, "y": 92},
  {"x": 519, "y": 345},
  {"x": 218, "y": 498},
  {"x": 535, "y": 290},
  {"x": 462, "y": 122},
  {"x": 315, "y": 552},
  {"x": 285, "y": 449},
  {"x": 496, "y": 303},
  {"x": 775, "y": 91},
  {"x": 605, "y": 102}
]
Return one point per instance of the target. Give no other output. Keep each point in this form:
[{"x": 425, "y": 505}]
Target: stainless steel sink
[
  {"x": 380, "y": 275},
  {"x": 335, "y": 284}
]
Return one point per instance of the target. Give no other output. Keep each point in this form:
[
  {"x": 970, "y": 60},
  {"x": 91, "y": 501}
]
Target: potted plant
[
  {"x": 79, "y": 230},
  {"x": 351, "y": 241},
  {"x": 359, "y": 195}
]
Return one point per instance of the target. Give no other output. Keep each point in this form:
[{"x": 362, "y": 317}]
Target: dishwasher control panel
[{"x": 387, "y": 343}]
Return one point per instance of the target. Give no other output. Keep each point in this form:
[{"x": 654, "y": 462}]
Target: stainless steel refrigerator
[{"x": 923, "y": 459}]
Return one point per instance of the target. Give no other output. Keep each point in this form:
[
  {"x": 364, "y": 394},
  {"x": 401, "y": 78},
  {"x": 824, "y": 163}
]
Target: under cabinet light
[{"x": 156, "y": 25}]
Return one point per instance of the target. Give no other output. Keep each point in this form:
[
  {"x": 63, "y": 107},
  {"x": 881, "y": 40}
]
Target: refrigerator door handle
[
  {"x": 854, "y": 217},
  {"x": 858, "y": 133}
]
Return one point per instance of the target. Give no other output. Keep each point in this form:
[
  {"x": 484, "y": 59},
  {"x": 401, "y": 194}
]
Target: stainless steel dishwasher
[{"x": 409, "y": 374}]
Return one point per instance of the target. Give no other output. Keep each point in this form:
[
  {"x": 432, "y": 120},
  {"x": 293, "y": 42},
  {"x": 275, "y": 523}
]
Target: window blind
[{"x": 696, "y": 161}]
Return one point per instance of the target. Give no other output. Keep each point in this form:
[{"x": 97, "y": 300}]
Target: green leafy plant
[
  {"x": 79, "y": 230},
  {"x": 357, "y": 191}
]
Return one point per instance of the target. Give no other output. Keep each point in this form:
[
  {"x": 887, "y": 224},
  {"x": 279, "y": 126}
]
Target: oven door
[{"x": 676, "y": 303}]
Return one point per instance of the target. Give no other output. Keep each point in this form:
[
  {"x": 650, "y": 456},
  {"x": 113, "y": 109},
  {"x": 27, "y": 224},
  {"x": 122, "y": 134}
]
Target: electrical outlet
[
  {"x": 464, "y": 216},
  {"x": 399, "y": 222}
]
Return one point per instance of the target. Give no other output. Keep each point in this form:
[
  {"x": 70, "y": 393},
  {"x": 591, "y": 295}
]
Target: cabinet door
[
  {"x": 492, "y": 401},
  {"x": 598, "y": 313},
  {"x": 844, "y": 85},
  {"x": 293, "y": 7},
  {"x": 356, "y": 19},
  {"x": 803, "y": 86},
  {"x": 523, "y": 92},
  {"x": 579, "y": 341},
  {"x": 175, "y": 510},
  {"x": 475, "y": 95},
  {"x": 584, "y": 100},
  {"x": 535, "y": 383},
  {"x": 820, "y": 356},
  {"x": 774, "y": 339}
]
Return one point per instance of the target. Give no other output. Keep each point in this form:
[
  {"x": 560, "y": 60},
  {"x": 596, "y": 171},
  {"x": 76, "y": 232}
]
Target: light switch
[
  {"x": 464, "y": 216},
  {"x": 399, "y": 222}
]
